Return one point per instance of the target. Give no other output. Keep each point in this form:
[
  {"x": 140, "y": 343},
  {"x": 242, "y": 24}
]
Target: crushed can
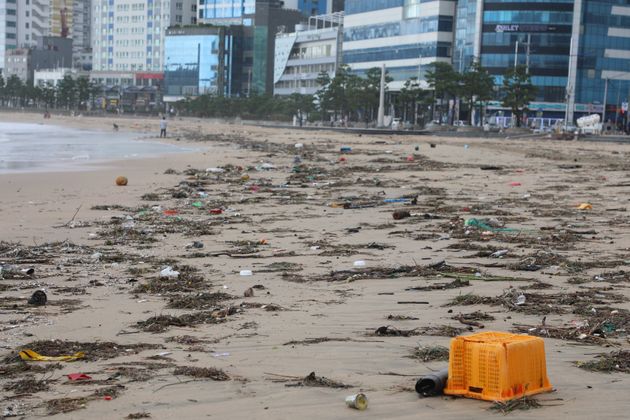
[{"x": 357, "y": 401}]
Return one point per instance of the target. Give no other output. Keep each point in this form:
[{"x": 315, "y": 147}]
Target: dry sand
[{"x": 95, "y": 300}]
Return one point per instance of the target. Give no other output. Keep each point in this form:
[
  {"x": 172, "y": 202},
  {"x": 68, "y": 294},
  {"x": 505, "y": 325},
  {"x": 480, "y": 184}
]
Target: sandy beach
[{"x": 213, "y": 343}]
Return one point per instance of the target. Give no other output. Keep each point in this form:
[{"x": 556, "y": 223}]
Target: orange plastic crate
[{"x": 497, "y": 366}]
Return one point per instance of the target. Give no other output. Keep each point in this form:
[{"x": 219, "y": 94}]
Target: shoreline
[{"x": 311, "y": 309}]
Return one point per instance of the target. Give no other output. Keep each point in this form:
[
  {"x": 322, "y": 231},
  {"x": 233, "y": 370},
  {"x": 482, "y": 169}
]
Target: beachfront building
[
  {"x": 128, "y": 35},
  {"x": 21, "y": 24},
  {"x": 52, "y": 77},
  {"x": 259, "y": 20},
  {"x": 201, "y": 60},
  {"x": 405, "y": 35},
  {"x": 302, "y": 55},
  {"x": 48, "y": 53},
  {"x": 571, "y": 49}
]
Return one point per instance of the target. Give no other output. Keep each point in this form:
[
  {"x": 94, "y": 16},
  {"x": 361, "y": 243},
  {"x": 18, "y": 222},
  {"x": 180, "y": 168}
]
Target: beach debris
[
  {"x": 65, "y": 405},
  {"x": 78, "y": 376},
  {"x": 585, "y": 206},
  {"x": 430, "y": 353},
  {"x": 395, "y": 332},
  {"x": 169, "y": 273},
  {"x": 89, "y": 351},
  {"x": 248, "y": 292},
  {"x": 442, "y": 286},
  {"x": 139, "y": 415},
  {"x": 246, "y": 273},
  {"x": 392, "y": 317},
  {"x": 27, "y": 386},
  {"x": 617, "y": 361},
  {"x": 500, "y": 253},
  {"x": 121, "y": 181},
  {"x": 202, "y": 300},
  {"x": 161, "y": 323},
  {"x": 357, "y": 401},
  {"x": 202, "y": 373},
  {"x": 358, "y": 264},
  {"x": 32, "y": 356},
  {"x": 432, "y": 384},
  {"x": 400, "y": 214},
  {"x": 524, "y": 403},
  {"x": 310, "y": 380},
  {"x": 38, "y": 298}
]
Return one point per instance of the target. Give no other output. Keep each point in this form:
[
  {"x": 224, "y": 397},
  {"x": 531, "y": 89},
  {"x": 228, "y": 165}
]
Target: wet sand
[{"x": 289, "y": 226}]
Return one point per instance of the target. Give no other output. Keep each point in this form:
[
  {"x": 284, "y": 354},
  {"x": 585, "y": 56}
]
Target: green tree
[
  {"x": 13, "y": 89},
  {"x": 67, "y": 92},
  {"x": 323, "y": 96},
  {"x": 518, "y": 91},
  {"x": 409, "y": 99},
  {"x": 95, "y": 91},
  {"x": 445, "y": 84},
  {"x": 47, "y": 95},
  {"x": 1, "y": 90},
  {"x": 300, "y": 105},
  {"x": 476, "y": 87},
  {"x": 31, "y": 95},
  {"x": 83, "y": 91},
  {"x": 369, "y": 94}
]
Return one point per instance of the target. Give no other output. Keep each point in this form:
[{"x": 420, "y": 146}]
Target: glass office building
[
  {"x": 405, "y": 35},
  {"x": 570, "y": 48},
  {"x": 199, "y": 61},
  {"x": 225, "y": 9},
  {"x": 260, "y": 20}
]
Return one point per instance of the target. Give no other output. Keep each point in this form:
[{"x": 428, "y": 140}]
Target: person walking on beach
[{"x": 163, "y": 124}]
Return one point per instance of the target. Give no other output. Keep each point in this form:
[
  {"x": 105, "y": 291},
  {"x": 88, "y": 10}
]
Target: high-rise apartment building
[
  {"x": 8, "y": 28},
  {"x": 72, "y": 19},
  {"x": 405, "y": 35},
  {"x": 128, "y": 35}
]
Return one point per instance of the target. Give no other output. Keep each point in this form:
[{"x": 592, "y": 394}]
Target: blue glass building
[
  {"x": 312, "y": 7},
  {"x": 200, "y": 61},
  {"x": 570, "y": 47}
]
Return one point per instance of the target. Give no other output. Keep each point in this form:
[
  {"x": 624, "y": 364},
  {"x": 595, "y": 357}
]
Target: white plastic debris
[
  {"x": 359, "y": 263},
  {"x": 246, "y": 273},
  {"x": 299, "y": 145},
  {"x": 499, "y": 253},
  {"x": 520, "y": 300},
  {"x": 215, "y": 170},
  {"x": 169, "y": 273},
  {"x": 96, "y": 256}
]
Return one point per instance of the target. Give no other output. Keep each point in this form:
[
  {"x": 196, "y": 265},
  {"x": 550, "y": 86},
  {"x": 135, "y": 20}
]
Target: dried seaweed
[
  {"x": 93, "y": 350},
  {"x": 199, "y": 372},
  {"x": 617, "y": 361},
  {"x": 430, "y": 353},
  {"x": 525, "y": 403},
  {"x": 198, "y": 301}
]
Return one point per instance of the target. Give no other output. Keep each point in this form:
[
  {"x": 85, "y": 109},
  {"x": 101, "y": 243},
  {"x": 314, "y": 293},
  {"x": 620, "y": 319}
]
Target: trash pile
[{"x": 265, "y": 250}]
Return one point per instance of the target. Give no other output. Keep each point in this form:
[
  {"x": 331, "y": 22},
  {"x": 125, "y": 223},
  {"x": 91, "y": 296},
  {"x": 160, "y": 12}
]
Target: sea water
[{"x": 38, "y": 147}]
